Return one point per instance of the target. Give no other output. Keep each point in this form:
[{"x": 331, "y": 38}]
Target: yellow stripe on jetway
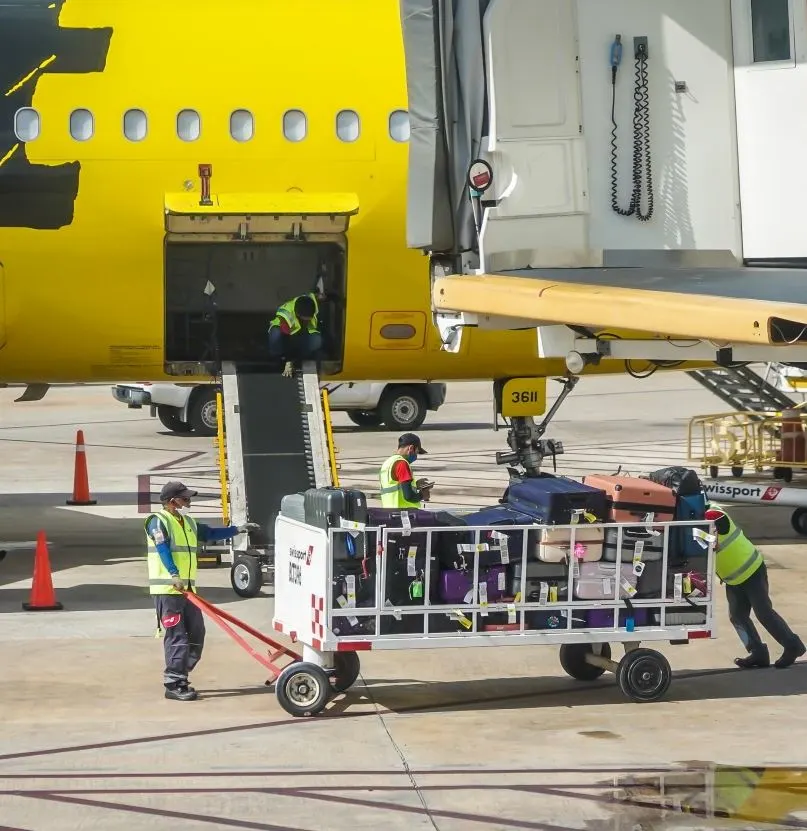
[{"x": 705, "y": 317}]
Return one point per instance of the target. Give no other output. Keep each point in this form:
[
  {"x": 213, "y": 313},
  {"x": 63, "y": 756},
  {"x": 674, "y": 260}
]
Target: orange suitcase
[{"x": 631, "y": 499}]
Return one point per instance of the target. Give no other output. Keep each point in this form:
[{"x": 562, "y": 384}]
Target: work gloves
[
  {"x": 177, "y": 583},
  {"x": 248, "y": 526},
  {"x": 288, "y": 370}
]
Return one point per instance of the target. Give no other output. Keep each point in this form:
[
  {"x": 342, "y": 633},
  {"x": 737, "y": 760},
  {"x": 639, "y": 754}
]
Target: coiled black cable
[{"x": 642, "y": 163}]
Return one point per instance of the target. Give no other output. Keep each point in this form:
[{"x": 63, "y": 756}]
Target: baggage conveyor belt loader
[{"x": 276, "y": 436}]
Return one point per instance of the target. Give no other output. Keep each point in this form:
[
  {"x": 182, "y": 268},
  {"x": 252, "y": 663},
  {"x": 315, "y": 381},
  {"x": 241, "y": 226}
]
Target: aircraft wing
[{"x": 736, "y": 305}]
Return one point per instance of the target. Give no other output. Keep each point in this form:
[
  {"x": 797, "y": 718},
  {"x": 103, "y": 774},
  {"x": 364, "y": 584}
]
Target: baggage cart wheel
[
  {"x": 303, "y": 689},
  {"x": 574, "y": 663},
  {"x": 644, "y": 675},
  {"x": 798, "y": 520},
  {"x": 246, "y": 577},
  {"x": 346, "y": 667},
  {"x": 783, "y": 473},
  {"x": 737, "y": 471},
  {"x": 714, "y": 471}
]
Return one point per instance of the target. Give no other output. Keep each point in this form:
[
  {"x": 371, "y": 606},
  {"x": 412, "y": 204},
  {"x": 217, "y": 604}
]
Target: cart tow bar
[{"x": 223, "y": 619}]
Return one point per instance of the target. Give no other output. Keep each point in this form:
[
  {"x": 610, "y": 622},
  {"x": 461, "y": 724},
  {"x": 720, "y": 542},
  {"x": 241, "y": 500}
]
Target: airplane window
[
  {"x": 242, "y": 125},
  {"x": 348, "y": 125},
  {"x": 398, "y": 331},
  {"x": 399, "y": 128},
  {"x": 189, "y": 125},
  {"x": 294, "y": 125},
  {"x": 135, "y": 125},
  {"x": 26, "y": 124},
  {"x": 81, "y": 125}
]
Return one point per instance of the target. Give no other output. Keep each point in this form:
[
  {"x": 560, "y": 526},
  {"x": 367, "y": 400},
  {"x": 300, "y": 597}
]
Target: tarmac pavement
[{"x": 435, "y": 739}]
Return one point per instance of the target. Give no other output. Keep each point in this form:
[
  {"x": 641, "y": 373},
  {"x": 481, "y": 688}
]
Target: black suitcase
[
  {"x": 649, "y": 584},
  {"x": 325, "y": 507},
  {"x": 498, "y": 515},
  {"x": 554, "y": 500},
  {"x": 554, "y": 575},
  {"x": 362, "y": 576}
]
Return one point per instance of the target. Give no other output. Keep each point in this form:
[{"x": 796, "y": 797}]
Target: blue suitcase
[
  {"x": 499, "y": 515},
  {"x": 553, "y": 500},
  {"x": 682, "y": 543}
]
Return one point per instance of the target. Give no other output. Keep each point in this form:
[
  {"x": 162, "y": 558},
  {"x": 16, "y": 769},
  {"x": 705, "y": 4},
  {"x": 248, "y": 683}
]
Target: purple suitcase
[
  {"x": 455, "y": 584},
  {"x": 604, "y": 618}
]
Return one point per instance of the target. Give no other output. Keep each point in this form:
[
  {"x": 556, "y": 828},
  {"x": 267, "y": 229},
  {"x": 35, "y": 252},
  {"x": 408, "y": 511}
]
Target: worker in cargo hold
[
  {"x": 294, "y": 333},
  {"x": 398, "y": 487},
  {"x": 172, "y": 537},
  {"x": 740, "y": 565}
]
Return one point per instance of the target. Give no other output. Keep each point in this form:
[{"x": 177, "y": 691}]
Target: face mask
[
  {"x": 412, "y": 458},
  {"x": 183, "y": 510}
]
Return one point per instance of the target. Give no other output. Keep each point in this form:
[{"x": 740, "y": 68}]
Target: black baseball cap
[
  {"x": 410, "y": 438},
  {"x": 175, "y": 490}
]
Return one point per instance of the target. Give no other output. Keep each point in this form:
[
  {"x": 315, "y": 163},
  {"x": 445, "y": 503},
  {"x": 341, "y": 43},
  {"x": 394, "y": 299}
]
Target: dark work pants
[
  {"x": 184, "y": 636},
  {"x": 754, "y": 595},
  {"x": 294, "y": 347}
]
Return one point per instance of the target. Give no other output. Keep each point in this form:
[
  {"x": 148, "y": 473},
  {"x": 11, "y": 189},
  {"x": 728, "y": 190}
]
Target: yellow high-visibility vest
[
  {"x": 183, "y": 539},
  {"x": 737, "y": 558},
  {"x": 287, "y": 313},
  {"x": 392, "y": 495}
]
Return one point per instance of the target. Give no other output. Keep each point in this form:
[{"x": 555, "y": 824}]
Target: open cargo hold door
[
  {"x": 2, "y": 307},
  {"x": 258, "y": 250}
]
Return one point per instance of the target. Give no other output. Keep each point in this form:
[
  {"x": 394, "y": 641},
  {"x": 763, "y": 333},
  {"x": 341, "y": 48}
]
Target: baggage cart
[{"x": 317, "y": 595}]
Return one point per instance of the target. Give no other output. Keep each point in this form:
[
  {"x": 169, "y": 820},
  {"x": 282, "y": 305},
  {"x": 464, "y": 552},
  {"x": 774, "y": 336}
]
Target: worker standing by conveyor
[
  {"x": 398, "y": 488},
  {"x": 172, "y": 538},
  {"x": 740, "y": 565}
]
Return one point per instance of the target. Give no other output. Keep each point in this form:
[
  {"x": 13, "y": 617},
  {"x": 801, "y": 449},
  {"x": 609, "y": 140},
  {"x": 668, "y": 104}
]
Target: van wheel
[
  {"x": 202, "y": 412},
  {"x": 403, "y": 408},
  {"x": 246, "y": 576},
  {"x": 364, "y": 418},
  {"x": 169, "y": 418}
]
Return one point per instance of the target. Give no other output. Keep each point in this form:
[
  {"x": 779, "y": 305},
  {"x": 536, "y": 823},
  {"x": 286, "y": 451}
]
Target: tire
[
  {"x": 737, "y": 471},
  {"x": 403, "y": 408},
  {"x": 346, "y": 670},
  {"x": 246, "y": 576},
  {"x": 202, "y": 412},
  {"x": 798, "y": 520},
  {"x": 364, "y": 418},
  {"x": 573, "y": 661},
  {"x": 713, "y": 472},
  {"x": 303, "y": 689},
  {"x": 169, "y": 418},
  {"x": 644, "y": 675}
]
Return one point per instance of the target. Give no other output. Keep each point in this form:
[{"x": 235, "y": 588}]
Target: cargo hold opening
[{"x": 257, "y": 257}]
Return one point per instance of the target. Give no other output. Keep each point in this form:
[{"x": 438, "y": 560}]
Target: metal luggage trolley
[{"x": 308, "y": 608}]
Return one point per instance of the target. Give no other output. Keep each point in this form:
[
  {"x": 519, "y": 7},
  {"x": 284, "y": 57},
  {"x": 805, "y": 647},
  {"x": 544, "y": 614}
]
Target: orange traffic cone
[
  {"x": 81, "y": 481},
  {"x": 43, "y": 598}
]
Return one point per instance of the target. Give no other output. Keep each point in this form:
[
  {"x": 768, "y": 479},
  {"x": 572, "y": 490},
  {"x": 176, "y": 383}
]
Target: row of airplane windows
[{"x": 28, "y": 125}]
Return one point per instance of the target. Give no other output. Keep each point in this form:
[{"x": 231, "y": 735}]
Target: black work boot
[
  {"x": 759, "y": 661},
  {"x": 790, "y": 655},
  {"x": 180, "y": 693}
]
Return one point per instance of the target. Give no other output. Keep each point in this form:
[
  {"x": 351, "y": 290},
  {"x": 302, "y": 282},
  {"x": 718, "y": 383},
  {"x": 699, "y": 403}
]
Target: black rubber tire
[
  {"x": 787, "y": 474},
  {"x": 403, "y": 408},
  {"x": 644, "y": 675},
  {"x": 246, "y": 576},
  {"x": 169, "y": 418},
  {"x": 737, "y": 471},
  {"x": 573, "y": 661},
  {"x": 714, "y": 471},
  {"x": 202, "y": 411},
  {"x": 347, "y": 668},
  {"x": 364, "y": 418},
  {"x": 303, "y": 689},
  {"x": 798, "y": 519}
]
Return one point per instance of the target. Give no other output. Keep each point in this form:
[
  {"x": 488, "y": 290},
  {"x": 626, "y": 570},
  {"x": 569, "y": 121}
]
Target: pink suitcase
[
  {"x": 555, "y": 544},
  {"x": 631, "y": 498},
  {"x": 596, "y": 581}
]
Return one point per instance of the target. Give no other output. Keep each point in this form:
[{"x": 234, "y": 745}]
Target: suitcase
[
  {"x": 649, "y": 584},
  {"x": 682, "y": 481},
  {"x": 652, "y": 548},
  {"x": 554, "y": 619},
  {"x": 596, "y": 581},
  {"x": 554, "y": 500},
  {"x": 292, "y": 506},
  {"x": 505, "y": 546},
  {"x": 604, "y": 618},
  {"x": 681, "y": 616},
  {"x": 555, "y": 544},
  {"x": 688, "y": 507},
  {"x": 353, "y": 588},
  {"x": 455, "y": 585},
  {"x": 325, "y": 507},
  {"x": 631, "y": 499},
  {"x": 538, "y": 575}
]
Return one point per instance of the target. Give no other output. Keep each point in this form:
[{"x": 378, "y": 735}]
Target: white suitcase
[
  {"x": 597, "y": 581},
  {"x": 555, "y": 544}
]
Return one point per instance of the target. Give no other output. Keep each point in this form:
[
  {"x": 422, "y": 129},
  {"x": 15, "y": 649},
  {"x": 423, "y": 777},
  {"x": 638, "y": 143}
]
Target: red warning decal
[
  {"x": 169, "y": 621},
  {"x": 309, "y": 555},
  {"x": 771, "y": 493}
]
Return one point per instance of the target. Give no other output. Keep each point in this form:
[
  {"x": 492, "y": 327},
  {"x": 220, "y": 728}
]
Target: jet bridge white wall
[{"x": 551, "y": 122}]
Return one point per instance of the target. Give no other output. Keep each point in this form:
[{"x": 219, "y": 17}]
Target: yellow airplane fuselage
[{"x": 85, "y": 301}]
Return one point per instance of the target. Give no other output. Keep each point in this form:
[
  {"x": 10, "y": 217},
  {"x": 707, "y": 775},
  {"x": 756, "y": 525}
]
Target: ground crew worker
[
  {"x": 397, "y": 487},
  {"x": 172, "y": 536},
  {"x": 294, "y": 330},
  {"x": 740, "y": 565}
]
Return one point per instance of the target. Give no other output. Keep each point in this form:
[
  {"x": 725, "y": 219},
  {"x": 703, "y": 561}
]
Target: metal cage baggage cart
[{"x": 315, "y": 598}]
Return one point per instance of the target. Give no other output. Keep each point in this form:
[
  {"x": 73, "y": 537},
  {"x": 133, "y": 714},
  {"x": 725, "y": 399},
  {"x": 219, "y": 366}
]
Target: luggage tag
[
  {"x": 483, "y": 599},
  {"x": 473, "y": 548},
  {"x": 396, "y": 613},
  {"x": 702, "y": 538},
  {"x": 576, "y": 514},
  {"x": 504, "y": 547},
  {"x": 678, "y": 586},
  {"x": 345, "y": 604},
  {"x": 500, "y": 581},
  {"x": 469, "y": 598},
  {"x": 580, "y": 550},
  {"x": 638, "y": 565},
  {"x": 648, "y": 521},
  {"x": 411, "y": 561},
  {"x": 589, "y": 517},
  {"x": 627, "y": 587},
  {"x": 463, "y": 621},
  {"x": 544, "y": 594},
  {"x": 353, "y": 528},
  {"x": 406, "y": 523},
  {"x": 511, "y": 613},
  {"x": 606, "y": 586},
  {"x": 416, "y": 589},
  {"x": 553, "y": 594},
  {"x": 350, "y": 581}
]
